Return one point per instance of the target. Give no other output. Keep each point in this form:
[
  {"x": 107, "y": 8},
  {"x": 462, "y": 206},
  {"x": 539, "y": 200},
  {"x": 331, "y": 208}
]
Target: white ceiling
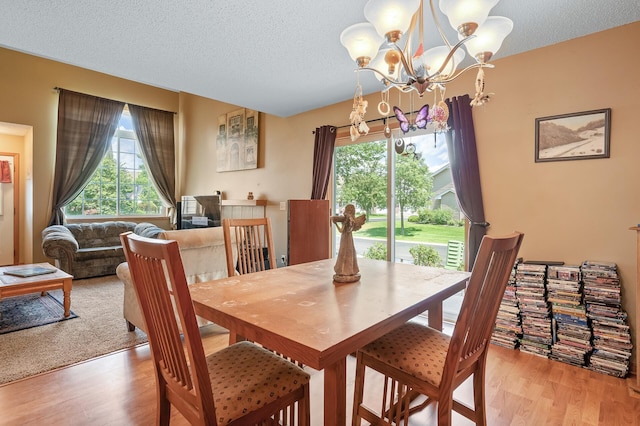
[{"x": 282, "y": 57}]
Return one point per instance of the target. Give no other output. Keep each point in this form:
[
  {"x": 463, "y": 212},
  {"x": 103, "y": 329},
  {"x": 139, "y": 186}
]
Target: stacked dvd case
[
  {"x": 570, "y": 328},
  {"x": 534, "y": 309},
  {"x": 611, "y": 336},
  {"x": 508, "y": 327}
]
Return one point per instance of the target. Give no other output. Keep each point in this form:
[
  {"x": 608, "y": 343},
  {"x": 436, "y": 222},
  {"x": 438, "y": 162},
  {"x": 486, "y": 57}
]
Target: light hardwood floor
[{"x": 119, "y": 389}]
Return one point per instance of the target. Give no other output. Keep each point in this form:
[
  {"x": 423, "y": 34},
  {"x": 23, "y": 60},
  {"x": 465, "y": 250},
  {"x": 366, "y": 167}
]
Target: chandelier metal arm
[
  {"x": 404, "y": 53},
  {"x": 452, "y": 50},
  {"x": 405, "y": 87},
  {"x": 437, "y": 22},
  {"x": 470, "y": 67},
  {"x": 407, "y": 65}
]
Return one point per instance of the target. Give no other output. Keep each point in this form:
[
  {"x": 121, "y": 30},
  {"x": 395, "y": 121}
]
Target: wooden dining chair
[
  {"x": 252, "y": 239},
  {"x": 418, "y": 360},
  {"x": 242, "y": 384},
  {"x": 253, "y": 242}
]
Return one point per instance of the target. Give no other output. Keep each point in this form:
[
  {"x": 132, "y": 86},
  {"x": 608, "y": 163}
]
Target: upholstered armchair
[{"x": 203, "y": 256}]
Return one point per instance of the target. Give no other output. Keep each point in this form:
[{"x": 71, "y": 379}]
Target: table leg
[
  {"x": 435, "y": 316},
  {"x": 66, "y": 289},
  {"x": 335, "y": 393}
]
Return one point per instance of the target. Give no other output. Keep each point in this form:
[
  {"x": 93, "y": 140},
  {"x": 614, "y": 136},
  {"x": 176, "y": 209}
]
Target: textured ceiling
[{"x": 281, "y": 57}]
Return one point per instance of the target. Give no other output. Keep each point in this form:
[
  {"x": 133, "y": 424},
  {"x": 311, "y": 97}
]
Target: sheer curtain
[
  {"x": 154, "y": 130},
  {"x": 463, "y": 156},
  {"x": 324, "y": 145},
  {"x": 86, "y": 125}
]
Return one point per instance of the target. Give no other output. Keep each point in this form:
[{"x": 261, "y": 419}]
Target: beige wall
[
  {"x": 28, "y": 97},
  {"x": 569, "y": 211}
]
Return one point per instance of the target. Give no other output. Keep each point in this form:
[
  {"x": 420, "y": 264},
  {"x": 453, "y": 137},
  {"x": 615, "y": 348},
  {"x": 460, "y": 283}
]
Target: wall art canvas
[
  {"x": 576, "y": 136},
  {"x": 237, "y": 141}
]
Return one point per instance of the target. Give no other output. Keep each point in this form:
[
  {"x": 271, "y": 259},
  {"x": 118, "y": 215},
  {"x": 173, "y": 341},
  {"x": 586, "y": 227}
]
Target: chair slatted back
[
  {"x": 253, "y": 241},
  {"x": 483, "y": 295},
  {"x": 158, "y": 276}
]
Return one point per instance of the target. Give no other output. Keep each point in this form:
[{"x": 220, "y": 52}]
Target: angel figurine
[{"x": 346, "y": 268}]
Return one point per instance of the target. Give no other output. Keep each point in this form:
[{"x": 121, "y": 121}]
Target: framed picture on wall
[
  {"x": 576, "y": 136},
  {"x": 237, "y": 141}
]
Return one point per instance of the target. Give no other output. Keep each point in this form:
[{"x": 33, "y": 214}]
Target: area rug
[
  {"x": 30, "y": 310},
  {"x": 99, "y": 329}
]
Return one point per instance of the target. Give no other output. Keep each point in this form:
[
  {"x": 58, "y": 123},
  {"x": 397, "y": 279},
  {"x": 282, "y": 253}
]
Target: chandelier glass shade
[{"x": 384, "y": 44}]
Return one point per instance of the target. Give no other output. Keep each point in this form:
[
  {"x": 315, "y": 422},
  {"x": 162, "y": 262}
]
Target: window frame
[{"x": 376, "y": 133}]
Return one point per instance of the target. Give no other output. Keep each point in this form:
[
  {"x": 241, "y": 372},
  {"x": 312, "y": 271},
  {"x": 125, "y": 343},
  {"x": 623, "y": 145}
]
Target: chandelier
[{"x": 385, "y": 44}]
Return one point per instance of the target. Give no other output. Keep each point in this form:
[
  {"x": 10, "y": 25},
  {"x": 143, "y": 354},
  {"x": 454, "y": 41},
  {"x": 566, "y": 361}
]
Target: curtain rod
[
  {"x": 371, "y": 121},
  {"x": 57, "y": 89}
]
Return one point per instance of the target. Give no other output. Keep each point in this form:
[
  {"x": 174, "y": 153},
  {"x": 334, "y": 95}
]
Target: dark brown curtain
[
  {"x": 463, "y": 156},
  {"x": 86, "y": 125},
  {"x": 322, "y": 157},
  {"x": 154, "y": 130}
]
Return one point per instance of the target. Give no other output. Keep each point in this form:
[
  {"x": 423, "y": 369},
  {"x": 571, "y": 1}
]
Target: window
[
  {"x": 121, "y": 186},
  {"x": 418, "y": 197}
]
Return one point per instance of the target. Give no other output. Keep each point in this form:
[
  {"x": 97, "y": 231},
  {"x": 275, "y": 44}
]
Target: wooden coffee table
[{"x": 11, "y": 285}]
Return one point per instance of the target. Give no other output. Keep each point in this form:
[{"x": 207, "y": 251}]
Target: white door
[{"x": 7, "y": 216}]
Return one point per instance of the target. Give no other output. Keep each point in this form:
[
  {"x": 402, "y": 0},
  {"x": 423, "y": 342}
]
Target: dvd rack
[
  {"x": 508, "y": 328},
  {"x": 611, "y": 335},
  {"x": 571, "y": 331},
  {"x": 571, "y": 314},
  {"x": 534, "y": 309}
]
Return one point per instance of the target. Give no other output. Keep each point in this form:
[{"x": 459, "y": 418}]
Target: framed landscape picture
[
  {"x": 576, "y": 136},
  {"x": 237, "y": 141}
]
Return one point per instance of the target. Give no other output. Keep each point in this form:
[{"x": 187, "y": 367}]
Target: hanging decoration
[
  {"x": 480, "y": 98},
  {"x": 406, "y": 150},
  {"x": 387, "y": 130},
  {"x": 439, "y": 114},
  {"x": 359, "y": 126},
  {"x": 420, "y": 121}
]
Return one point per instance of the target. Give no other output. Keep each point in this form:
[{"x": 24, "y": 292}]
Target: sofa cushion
[
  {"x": 104, "y": 234},
  {"x": 99, "y": 253}
]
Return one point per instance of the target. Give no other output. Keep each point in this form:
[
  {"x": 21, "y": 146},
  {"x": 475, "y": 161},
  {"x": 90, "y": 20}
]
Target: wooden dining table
[{"x": 300, "y": 312}]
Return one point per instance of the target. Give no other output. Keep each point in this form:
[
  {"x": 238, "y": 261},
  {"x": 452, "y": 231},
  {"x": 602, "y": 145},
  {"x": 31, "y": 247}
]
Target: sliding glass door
[{"x": 404, "y": 186}]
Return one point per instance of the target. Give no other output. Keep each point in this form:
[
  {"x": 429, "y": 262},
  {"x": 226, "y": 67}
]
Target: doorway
[
  {"x": 9, "y": 222},
  {"x": 16, "y": 146}
]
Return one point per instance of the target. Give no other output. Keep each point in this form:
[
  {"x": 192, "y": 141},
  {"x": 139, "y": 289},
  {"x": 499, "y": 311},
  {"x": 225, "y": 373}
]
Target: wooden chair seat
[
  {"x": 418, "y": 360},
  {"x": 414, "y": 349},
  {"x": 245, "y": 377}
]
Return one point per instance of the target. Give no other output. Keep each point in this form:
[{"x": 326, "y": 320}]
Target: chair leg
[
  {"x": 358, "y": 390},
  {"x": 304, "y": 408},
  {"x": 478, "y": 394},
  {"x": 163, "y": 416},
  {"x": 130, "y": 326},
  {"x": 445, "y": 408}
]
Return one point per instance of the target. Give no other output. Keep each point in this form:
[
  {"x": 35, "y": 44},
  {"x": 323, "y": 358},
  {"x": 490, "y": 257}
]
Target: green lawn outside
[{"x": 413, "y": 232}]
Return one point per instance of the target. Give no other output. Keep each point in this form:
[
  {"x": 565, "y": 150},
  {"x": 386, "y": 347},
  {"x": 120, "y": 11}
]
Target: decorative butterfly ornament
[{"x": 420, "y": 121}]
